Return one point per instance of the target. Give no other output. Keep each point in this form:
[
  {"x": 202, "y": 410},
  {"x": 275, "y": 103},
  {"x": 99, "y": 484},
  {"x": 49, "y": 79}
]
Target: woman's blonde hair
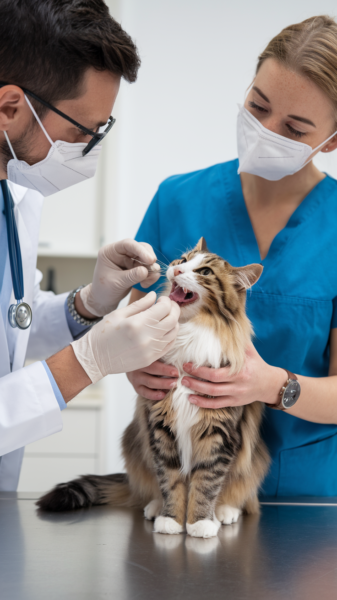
[{"x": 309, "y": 48}]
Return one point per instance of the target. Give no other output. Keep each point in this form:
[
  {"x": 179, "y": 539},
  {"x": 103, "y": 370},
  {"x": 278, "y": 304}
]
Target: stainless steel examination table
[{"x": 289, "y": 552}]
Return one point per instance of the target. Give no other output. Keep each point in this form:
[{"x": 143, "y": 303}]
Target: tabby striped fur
[{"x": 191, "y": 468}]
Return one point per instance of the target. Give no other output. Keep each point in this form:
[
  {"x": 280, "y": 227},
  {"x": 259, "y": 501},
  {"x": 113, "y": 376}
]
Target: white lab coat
[{"x": 28, "y": 408}]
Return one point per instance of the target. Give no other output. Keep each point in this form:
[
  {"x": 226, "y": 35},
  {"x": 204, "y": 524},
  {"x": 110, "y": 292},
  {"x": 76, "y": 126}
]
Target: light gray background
[{"x": 198, "y": 58}]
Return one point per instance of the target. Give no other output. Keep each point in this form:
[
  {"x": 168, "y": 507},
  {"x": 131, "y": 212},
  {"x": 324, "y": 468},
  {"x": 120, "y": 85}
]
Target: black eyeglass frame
[{"x": 96, "y": 137}]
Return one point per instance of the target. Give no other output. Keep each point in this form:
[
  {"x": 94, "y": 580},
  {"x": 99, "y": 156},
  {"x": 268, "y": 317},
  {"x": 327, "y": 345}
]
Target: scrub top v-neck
[{"x": 293, "y": 306}]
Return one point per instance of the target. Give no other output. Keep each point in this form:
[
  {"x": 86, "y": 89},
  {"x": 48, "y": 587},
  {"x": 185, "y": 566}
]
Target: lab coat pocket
[{"x": 309, "y": 470}]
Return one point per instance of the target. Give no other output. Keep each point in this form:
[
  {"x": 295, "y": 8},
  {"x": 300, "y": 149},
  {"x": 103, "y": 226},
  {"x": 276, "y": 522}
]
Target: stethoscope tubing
[{"x": 14, "y": 249}]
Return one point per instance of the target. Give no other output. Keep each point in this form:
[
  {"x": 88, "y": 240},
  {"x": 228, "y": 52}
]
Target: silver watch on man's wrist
[
  {"x": 76, "y": 315},
  {"x": 289, "y": 393}
]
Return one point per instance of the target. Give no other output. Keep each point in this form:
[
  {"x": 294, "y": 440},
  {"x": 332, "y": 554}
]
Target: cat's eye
[
  {"x": 205, "y": 271},
  {"x": 182, "y": 260}
]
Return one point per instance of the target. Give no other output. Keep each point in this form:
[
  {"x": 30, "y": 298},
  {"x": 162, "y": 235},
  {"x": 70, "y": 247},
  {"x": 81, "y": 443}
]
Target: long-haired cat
[{"x": 191, "y": 468}]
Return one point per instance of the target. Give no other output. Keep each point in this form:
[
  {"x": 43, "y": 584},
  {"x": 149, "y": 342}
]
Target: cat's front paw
[
  {"x": 152, "y": 509},
  {"x": 204, "y": 528},
  {"x": 227, "y": 514},
  {"x": 167, "y": 525}
]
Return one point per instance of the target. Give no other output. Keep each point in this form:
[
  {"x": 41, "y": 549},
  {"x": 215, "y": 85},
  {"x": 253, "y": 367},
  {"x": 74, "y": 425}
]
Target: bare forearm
[
  {"x": 68, "y": 373},
  {"x": 318, "y": 400}
]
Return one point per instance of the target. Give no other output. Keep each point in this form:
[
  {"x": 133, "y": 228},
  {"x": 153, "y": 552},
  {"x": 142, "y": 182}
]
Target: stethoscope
[{"x": 20, "y": 314}]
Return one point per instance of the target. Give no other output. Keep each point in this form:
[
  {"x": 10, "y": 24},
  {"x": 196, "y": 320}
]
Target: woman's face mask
[
  {"x": 63, "y": 166},
  {"x": 267, "y": 154}
]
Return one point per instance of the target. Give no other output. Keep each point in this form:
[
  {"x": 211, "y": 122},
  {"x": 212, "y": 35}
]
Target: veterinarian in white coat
[
  {"x": 28, "y": 410},
  {"x": 43, "y": 149}
]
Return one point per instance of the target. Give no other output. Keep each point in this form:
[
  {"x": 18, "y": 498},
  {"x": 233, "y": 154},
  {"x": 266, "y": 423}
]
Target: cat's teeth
[{"x": 185, "y": 290}]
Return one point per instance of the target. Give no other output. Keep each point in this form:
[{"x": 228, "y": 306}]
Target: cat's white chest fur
[{"x": 199, "y": 345}]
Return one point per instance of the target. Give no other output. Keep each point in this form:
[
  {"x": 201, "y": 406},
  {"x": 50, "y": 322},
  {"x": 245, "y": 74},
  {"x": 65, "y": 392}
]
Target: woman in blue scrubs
[{"x": 281, "y": 211}]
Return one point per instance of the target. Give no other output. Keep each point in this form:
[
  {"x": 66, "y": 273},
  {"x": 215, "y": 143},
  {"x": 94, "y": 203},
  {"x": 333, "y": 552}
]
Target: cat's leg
[
  {"x": 173, "y": 512},
  {"x": 227, "y": 514},
  {"x": 231, "y": 500},
  {"x": 216, "y": 450},
  {"x": 237, "y": 496},
  {"x": 171, "y": 482},
  {"x": 240, "y": 494},
  {"x": 205, "y": 485}
]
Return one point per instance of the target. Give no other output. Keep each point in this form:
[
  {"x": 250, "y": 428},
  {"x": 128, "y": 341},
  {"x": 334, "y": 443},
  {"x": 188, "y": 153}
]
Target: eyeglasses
[{"x": 97, "y": 136}]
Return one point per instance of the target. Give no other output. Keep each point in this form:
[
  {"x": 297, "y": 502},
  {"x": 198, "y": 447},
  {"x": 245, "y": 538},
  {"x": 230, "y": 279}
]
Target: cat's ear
[
  {"x": 245, "y": 277},
  {"x": 201, "y": 245}
]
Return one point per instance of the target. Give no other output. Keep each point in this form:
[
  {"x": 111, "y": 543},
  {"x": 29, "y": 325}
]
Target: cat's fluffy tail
[{"x": 87, "y": 491}]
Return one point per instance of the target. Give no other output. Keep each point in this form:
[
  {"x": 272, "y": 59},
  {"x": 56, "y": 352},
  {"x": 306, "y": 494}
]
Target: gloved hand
[
  {"x": 129, "y": 338},
  {"x": 116, "y": 272}
]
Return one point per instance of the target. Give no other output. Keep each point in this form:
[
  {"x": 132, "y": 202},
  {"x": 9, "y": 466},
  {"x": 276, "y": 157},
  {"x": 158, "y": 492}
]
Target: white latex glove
[
  {"x": 116, "y": 272},
  {"x": 129, "y": 338}
]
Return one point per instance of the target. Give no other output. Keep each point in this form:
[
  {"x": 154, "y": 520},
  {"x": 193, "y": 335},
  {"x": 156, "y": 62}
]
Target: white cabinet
[{"x": 78, "y": 449}]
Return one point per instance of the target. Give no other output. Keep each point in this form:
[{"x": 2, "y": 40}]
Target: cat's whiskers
[
  {"x": 157, "y": 250},
  {"x": 151, "y": 269}
]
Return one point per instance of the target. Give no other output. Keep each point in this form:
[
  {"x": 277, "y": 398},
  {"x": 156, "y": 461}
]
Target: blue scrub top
[{"x": 292, "y": 307}]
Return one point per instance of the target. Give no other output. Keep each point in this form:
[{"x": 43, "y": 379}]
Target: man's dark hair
[{"x": 46, "y": 46}]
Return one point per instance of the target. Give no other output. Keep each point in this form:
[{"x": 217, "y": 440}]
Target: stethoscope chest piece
[{"x": 20, "y": 315}]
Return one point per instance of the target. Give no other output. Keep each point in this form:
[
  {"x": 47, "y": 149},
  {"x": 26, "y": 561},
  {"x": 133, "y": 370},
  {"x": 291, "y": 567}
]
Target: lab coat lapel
[
  {"x": 4, "y": 353},
  {"x": 28, "y": 265},
  {"x": 17, "y": 191}
]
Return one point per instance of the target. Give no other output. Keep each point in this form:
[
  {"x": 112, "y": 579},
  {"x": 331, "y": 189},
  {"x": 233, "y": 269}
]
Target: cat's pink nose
[{"x": 176, "y": 272}]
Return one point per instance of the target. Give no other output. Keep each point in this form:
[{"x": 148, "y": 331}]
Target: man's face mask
[
  {"x": 63, "y": 166},
  {"x": 267, "y": 154}
]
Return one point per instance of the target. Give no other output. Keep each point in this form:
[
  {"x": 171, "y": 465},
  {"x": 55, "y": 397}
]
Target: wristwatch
[
  {"x": 289, "y": 393},
  {"x": 75, "y": 315}
]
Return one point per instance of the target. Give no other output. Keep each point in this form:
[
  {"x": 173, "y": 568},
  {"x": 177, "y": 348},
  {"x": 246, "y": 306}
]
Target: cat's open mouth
[{"x": 182, "y": 296}]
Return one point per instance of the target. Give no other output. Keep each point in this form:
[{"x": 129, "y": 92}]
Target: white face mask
[
  {"x": 63, "y": 166},
  {"x": 267, "y": 154}
]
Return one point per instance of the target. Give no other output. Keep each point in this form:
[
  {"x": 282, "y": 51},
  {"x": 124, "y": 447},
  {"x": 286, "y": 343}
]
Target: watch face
[{"x": 291, "y": 394}]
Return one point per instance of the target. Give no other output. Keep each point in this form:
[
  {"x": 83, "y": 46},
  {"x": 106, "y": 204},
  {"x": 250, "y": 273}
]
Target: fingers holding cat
[
  {"x": 215, "y": 395},
  {"x": 155, "y": 381},
  {"x": 210, "y": 394},
  {"x": 257, "y": 381}
]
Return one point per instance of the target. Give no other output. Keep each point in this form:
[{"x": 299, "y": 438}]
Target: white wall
[{"x": 198, "y": 57}]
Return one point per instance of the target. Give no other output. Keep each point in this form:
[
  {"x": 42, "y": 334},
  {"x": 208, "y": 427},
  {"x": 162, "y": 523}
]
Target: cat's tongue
[
  {"x": 178, "y": 294},
  {"x": 181, "y": 296}
]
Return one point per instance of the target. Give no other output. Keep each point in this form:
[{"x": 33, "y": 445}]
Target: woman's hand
[
  {"x": 257, "y": 381},
  {"x": 155, "y": 381}
]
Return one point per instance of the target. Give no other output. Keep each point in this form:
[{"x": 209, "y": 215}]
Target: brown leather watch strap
[
  {"x": 279, "y": 406},
  {"x": 291, "y": 375}
]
